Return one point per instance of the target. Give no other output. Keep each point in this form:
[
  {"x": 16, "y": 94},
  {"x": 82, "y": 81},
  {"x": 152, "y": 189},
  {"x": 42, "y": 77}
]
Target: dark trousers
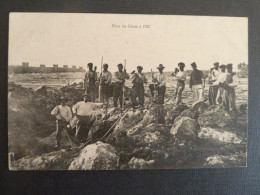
[
  {"x": 161, "y": 92},
  {"x": 118, "y": 94},
  {"x": 179, "y": 90},
  {"x": 60, "y": 125},
  {"x": 138, "y": 92},
  {"x": 229, "y": 101},
  {"x": 82, "y": 128},
  {"x": 213, "y": 91},
  {"x": 91, "y": 90},
  {"x": 104, "y": 93}
]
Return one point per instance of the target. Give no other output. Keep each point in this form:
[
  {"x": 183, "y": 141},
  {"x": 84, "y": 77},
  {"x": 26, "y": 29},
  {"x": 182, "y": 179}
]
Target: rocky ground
[{"x": 155, "y": 137}]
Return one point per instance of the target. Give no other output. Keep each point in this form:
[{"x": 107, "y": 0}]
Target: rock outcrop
[
  {"x": 97, "y": 156},
  {"x": 185, "y": 128}
]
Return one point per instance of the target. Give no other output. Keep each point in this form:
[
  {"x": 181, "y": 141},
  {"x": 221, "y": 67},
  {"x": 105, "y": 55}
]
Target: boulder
[
  {"x": 174, "y": 112},
  {"x": 199, "y": 107},
  {"x": 215, "y": 116},
  {"x": 189, "y": 113},
  {"x": 97, "y": 156},
  {"x": 151, "y": 138},
  {"x": 219, "y": 135},
  {"x": 138, "y": 163},
  {"x": 129, "y": 120},
  {"x": 185, "y": 127},
  {"x": 233, "y": 160},
  {"x": 56, "y": 160}
]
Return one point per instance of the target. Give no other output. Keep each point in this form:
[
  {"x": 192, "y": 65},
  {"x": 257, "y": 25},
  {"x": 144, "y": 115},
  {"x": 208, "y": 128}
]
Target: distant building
[
  {"x": 24, "y": 69},
  {"x": 25, "y": 64},
  {"x": 42, "y": 66}
]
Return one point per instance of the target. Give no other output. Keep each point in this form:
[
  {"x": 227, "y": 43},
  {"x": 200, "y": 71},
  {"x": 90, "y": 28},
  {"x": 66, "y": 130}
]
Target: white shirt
[
  {"x": 235, "y": 81},
  {"x": 160, "y": 78},
  {"x": 181, "y": 75},
  {"x": 215, "y": 74},
  {"x": 221, "y": 78},
  {"x": 62, "y": 112},
  {"x": 83, "y": 108}
]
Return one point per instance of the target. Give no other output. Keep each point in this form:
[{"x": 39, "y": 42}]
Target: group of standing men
[{"x": 221, "y": 91}]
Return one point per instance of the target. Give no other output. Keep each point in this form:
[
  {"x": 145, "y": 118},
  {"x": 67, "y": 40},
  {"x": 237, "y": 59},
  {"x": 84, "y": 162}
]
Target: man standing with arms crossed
[
  {"x": 104, "y": 82},
  {"x": 181, "y": 77},
  {"x": 119, "y": 77}
]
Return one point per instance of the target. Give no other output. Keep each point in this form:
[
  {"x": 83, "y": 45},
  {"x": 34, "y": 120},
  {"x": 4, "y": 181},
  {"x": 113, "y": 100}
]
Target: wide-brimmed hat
[
  {"x": 140, "y": 67},
  {"x": 90, "y": 64},
  {"x": 193, "y": 64},
  {"x": 181, "y": 64},
  {"x": 160, "y": 66}
]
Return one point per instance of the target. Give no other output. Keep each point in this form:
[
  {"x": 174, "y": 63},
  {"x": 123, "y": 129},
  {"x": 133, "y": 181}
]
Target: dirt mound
[{"x": 155, "y": 137}]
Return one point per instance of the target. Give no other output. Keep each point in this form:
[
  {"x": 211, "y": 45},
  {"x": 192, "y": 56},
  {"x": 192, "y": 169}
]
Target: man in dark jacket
[{"x": 196, "y": 84}]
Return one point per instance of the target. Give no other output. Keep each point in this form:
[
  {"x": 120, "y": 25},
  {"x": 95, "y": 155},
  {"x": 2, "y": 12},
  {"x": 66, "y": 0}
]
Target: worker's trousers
[
  {"x": 104, "y": 95},
  {"x": 179, "y": 90},
  {"x": 198, "y": 93},
  {"x": 118, "y": 93},
  {"x": 213, "y": 91},
  {"x": 138, "y": 92},
  {"x": 91, "y": 90},
  {"x": 60, "y": 126},
  {"x": 82, "y": 128},
  {"x": 229, "y": 101},
  {"x": 161, "y": 92}
]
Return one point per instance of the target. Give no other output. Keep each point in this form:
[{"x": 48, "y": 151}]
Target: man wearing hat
[
  {"x": 84, "y": 112},
  {"x": 104, "y": 82},
  {"x": 138, "y": 79},
  {"x": 196, "y": 83},
  {"x": 213, "y": 89},
  {"x": 63, "y": 115},
  {"x": 221, "y": 79},
  {"x": 181, "y": 77},
  {"x": 119, "y": 78},
  {"x": 90, "y": 82},
  {"x": 228, "y": 95},
  {"x": 160, "y": 84}
]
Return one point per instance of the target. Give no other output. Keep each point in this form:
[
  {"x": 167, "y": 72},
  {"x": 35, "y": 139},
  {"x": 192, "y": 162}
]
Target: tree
[{"x": 243, "y": 70}]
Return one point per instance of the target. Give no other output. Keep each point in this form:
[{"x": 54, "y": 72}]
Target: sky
[{"x": 77, "y": 39}]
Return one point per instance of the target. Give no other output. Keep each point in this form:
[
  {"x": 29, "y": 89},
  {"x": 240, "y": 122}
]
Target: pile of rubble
[{"x": 155, "y": 137}]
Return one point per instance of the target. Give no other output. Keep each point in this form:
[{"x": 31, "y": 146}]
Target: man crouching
[{"x": 83, "y": 111}]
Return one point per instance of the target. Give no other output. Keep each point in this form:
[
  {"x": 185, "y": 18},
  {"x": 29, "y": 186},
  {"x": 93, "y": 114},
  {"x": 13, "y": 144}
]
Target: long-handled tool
[
  {"x": 123, "y": 98},
  {"x": 100, "y": 80}
]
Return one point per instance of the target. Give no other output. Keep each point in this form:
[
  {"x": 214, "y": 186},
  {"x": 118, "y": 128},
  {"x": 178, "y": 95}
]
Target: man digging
[{"x": 63, "y": 115}]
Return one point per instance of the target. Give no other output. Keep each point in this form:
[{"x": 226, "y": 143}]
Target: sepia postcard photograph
[{"x": 126, "y": 91}]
